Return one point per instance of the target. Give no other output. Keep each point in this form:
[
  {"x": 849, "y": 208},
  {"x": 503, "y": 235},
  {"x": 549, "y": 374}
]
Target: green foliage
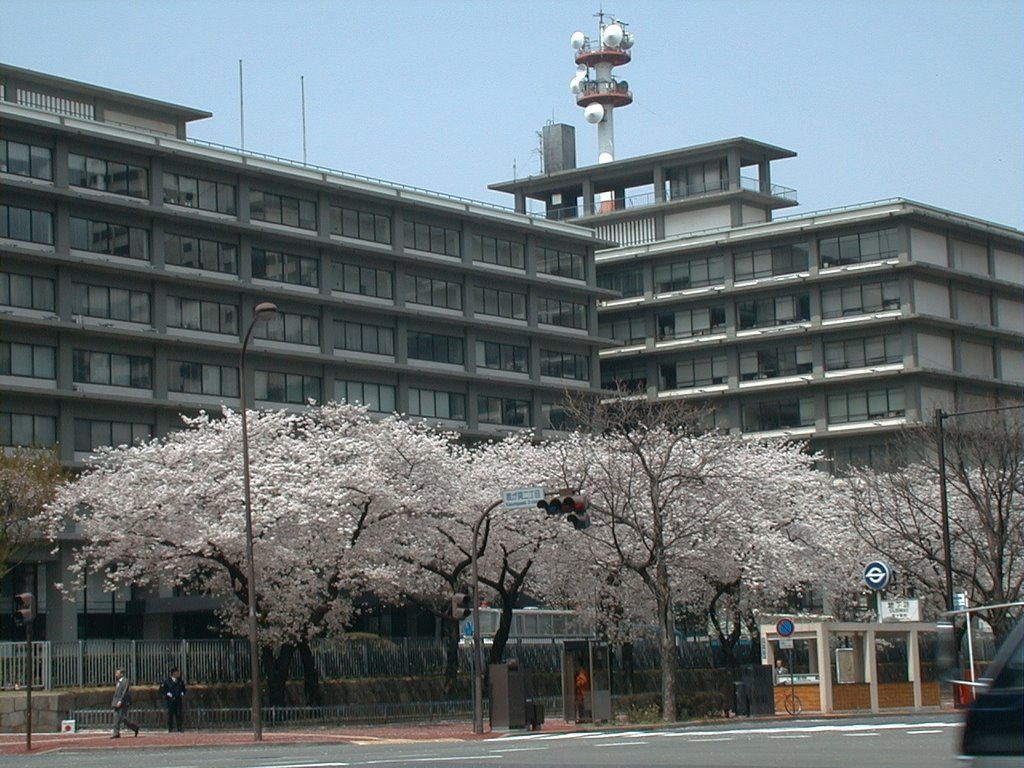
[{"x": 29, "y": 478}]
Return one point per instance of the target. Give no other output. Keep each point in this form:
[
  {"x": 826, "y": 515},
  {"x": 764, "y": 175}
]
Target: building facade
[
  {"x": 837, "y": 327},
  {"x": 131, "y": 259}
]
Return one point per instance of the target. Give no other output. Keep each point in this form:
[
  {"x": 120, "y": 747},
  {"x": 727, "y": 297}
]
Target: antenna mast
[{"x": 597, "y": 91}]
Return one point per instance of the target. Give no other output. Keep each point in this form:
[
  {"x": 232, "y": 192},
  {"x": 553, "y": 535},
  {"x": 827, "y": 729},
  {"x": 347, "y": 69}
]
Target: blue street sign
[
  {"x": 877, "y": 575},
  {"x": 785, "y": 627}
]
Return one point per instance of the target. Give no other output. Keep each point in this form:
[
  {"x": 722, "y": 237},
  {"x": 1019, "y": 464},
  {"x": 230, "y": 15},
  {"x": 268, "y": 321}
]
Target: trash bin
[
  {"x": 740, "y": 699},
  {"x": 534, "y": 714},
  {"x": 508, "y": 696}
]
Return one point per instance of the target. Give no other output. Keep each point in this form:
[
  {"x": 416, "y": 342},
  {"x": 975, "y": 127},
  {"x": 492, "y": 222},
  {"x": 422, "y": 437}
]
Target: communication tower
[{"x": 597, "y": 91}]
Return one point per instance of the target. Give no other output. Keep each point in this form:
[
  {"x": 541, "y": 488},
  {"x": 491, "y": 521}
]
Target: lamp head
[{"x": 264, "y": 308}]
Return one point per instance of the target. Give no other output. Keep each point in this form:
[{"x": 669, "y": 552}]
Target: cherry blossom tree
[{"x": 897, "y": 510}]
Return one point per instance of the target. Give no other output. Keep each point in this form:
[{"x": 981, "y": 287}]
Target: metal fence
[{"x": 90, "y": 663}]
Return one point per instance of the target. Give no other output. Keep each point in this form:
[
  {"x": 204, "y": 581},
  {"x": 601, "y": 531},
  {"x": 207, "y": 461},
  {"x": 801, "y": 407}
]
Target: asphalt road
[{"x": 921, "y": 741}]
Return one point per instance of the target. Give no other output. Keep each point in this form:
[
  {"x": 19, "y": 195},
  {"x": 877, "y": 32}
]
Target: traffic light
[
  {"x": 461, "y": 607},
  {"x": 573, "y": 507},
  {"x": 24, "y": 608}
]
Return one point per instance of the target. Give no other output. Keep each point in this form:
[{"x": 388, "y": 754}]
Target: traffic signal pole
[{"x": 478, "y": 654}]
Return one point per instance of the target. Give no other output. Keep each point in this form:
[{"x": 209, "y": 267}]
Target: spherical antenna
[
  {"x": 577, "y": 41},
  {"x": 594, "y": 113},
  {"x": 627, "y": 41},
  {"x": 612, "y": 35},
  {"x": 582, "y": 70},
  {"x": 575, "y": 83}
]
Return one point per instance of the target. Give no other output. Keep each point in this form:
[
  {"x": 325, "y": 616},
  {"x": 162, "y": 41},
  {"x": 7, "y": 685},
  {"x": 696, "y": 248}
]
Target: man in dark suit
[{"x": 173, "y": 690}]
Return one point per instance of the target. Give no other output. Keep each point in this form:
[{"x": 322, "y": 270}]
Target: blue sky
[{"x": 922, "y": 99}]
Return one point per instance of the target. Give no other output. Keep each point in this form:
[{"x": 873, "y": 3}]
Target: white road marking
[{"x": 620, "y": 744}]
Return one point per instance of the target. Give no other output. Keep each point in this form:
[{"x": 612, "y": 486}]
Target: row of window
[
  {"x": 89, "y": 434},
  {"x": 759, "y": 364},
  {"x": 763, "y": 312},
  {"x": 189, "y": 191},
  {"x": 787, "y": 259}
]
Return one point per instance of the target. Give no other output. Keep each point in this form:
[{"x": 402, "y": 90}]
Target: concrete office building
[
  {"x": 838, "y": 327},
  {"x": 131, "y": 259}
]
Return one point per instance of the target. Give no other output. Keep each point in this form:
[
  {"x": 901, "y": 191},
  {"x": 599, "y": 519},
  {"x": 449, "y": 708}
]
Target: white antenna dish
[
  {"x": 612, "y": 35},
  {"x": 574, "y": 84},
  {"x": 594, "y": 113},
  {"x": 627, "y": 41},
  {"x": 582, "y": 70},
  {"x": 578, "y": 40}
]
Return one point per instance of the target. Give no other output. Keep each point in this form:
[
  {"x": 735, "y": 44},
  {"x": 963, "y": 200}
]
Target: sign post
[{"x": 877, "y": 575}]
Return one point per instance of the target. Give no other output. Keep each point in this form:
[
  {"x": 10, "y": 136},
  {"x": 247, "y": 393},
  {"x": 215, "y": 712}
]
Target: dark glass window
[
  {"x": 693, "y": 273},
  {"x": 628, "y": 282},
  {"x": 26, "y": 160},
  {"x": 198, "y": 193},
  {"x": 291, "y": 327},
  {"x": 91, "y": 434},
  {"x": 551, "y": 261},
  {"x": 379, "y": 398},
  {"x": 108, "y": 176},
  {"x": 280, "y": 387},
  {"x": 863, "y": 352},
  {"x": 774, "y": 362},
  {"x": 428, "y": 237},
  {"x": 364, "y": 337},
  {"x": 494, "y": 301},
  {"x": 111, "y": 239},
  {"x": 27, "y": 430},
  {"x": 860, "y": 299},
  {"x": 282, "y": 209},
  {"x": 199, "y": 315},
  {"x": 494, "y": 250},
  {"x": 503, "y": 357},
  {"x": 35, "y": 361},
  {"x": 26, "y": 291},
  {"x": 436, "y": 347},
  {"x": 361, "y": 225},
  {"x": 695, "y": 372},
  {"x": 434, "y": 292},
  {"x": 564, "y": 365},
  {"x": 26, "y": 224},
  {"x": 855, "y": 249},
  {"x": 687, "y": 323},
  {"x": 113, "y": 369},
  {"x": 285, "y": 267},
  {"x": 768, "y": 262},
  {"x": 506, "y": 411},
  {"x": 877, "y": 403},
  {"x": 185, "y": 251},
  {"x": 365, "y": 281},
  {"x": 568, "y": 314},
  {"x": 773, "y": 310},
  {"x": 111, "y": 303},
  {"x": 778, "y": 414},
  {"x": 437, "y": 404},
  {"x": 202, "y": 378}
]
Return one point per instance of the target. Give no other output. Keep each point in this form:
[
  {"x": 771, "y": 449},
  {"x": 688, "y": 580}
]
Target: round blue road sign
[
  {"x": 877, "y": 575},
  {"x": 785, "y": 627}
]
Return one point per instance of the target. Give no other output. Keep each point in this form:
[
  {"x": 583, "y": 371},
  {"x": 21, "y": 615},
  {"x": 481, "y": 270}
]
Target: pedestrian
[
  {"x": 582, "y": 685},
  {"x": 173, "y": 690},
  {"x": 122, "y": 703}
]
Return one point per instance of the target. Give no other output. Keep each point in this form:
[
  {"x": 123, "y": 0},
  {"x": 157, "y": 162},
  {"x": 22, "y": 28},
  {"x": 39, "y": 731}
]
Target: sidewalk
[{"x": 49, "y": 743}]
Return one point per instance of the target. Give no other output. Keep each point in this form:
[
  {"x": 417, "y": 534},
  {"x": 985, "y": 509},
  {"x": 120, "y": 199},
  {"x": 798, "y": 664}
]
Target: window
[
  {"x": 436, "y": 404},
  {"x": 110, "y": 303},
  {"x": 564, "y": 365},
  {"x": 880, "y": 403},
  {"x": 551, "y": 261},
  {"x": 628, "y": 282},
  {"x": 379, "y": 398},
  {"x": 213, "y": 256},
  {"x": 361, "y": 225},
  {"x": 91, "y": 434},
  {"x": 203, "y": 194},
  {"x": 556, "y": 416},
  {"x": 860, "y": 299},
  {"x": 861, "y": 352},
  {"x": 504, "y": 253},
  {"x": 26, "y": 292},
  {"x": 773, "y": 310},
  {"x": 199, "y": 315},
  {"x": 365, "y": 281},
  {"x": 768, "y": 262},
  {"x": 108, "y": 176},
  {"x": 28, "y": 430},
  {"x": 628, "y": 330},
  {"x": 695, "y": 273},
  {"x": 855, "y": 249},
  {"x": 285, "y": 267},
  {"x": 775, "y": 362},
  {"x": 696, "y": 372},
  {"x": 113, "y": 369},
  {"x": 688, "y": 323},
  {"x": 282, "y": 209},
  {"x": 26, "y": 224},
  {"x": 112, "y": 239},
  {"x": 202, "y": 378},
  {"x": 286, "y": 387},
  {"x": 628, "y": 376},
  {"x": 291, "y": 327},
  {"x": 568, "y": 314},
  {"x": 702, "y": 178},
  {"x": 26, "y": 160},
  {"x": 434, "y": 292},
  {"x": 31, "y": 360},
  {"x": 436, "y": 347},
  {"x": 778, "y": 414},
  {"x": 427, "y": 237},
  {"x": 364, "y": 337},
  {"x": 499, "y": 303},
  {"x": 506, "y": 411},
  {"x": 502, "y": 357}
]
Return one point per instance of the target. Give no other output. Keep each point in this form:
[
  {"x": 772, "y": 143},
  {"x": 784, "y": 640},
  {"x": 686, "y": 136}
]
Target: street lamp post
[{"x": 261, "y": 311}]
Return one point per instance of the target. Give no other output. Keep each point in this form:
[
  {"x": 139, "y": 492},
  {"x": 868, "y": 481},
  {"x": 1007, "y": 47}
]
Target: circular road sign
[
  {"x": 785, "y": 627},
  {"x": 877, "y": 575}
]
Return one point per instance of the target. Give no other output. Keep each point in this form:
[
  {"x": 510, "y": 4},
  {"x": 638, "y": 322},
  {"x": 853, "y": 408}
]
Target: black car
[{"x": 994, "y": 729}]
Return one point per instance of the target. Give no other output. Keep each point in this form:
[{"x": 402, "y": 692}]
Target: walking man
[
  {"x": 173, "y": 689},
  {"x": 121, "y": 704}
]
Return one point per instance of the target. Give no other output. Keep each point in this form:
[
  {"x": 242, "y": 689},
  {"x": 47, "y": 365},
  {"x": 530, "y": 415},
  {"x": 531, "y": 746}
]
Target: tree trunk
[
  {"x": 450, "y": 628},
  {"x": 276, "y": 667},
  {"x": 310, "y": 677},
  {"x": 668, "y": 661}
]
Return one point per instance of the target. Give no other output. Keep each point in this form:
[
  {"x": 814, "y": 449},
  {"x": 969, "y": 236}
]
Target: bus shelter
[
  {"x": 586, "y": 681},
  {"x": 839, "y": 666}
]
